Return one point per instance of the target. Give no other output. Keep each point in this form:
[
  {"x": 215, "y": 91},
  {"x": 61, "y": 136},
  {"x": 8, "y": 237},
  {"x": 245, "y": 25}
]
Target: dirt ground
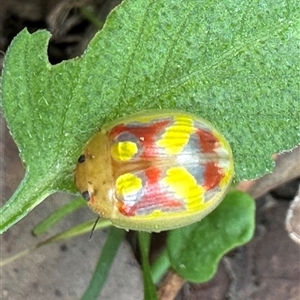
[{"x": 267, "y": 268}]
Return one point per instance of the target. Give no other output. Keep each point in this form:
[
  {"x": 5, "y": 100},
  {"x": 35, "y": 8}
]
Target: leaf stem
[{"x": 29, "y": 194}]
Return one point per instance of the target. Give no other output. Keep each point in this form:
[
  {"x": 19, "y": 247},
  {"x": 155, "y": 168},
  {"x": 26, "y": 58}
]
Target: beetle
[{"x": 155, "y": 170}]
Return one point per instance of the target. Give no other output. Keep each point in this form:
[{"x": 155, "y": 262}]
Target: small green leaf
[
  {"x": 79, "y": 230},
  {"x": 196, "y": 250},
  {"x": 65, "y": 235},
  {"x": 234, "y": 63},
  {"x": 59, "y": 214}
]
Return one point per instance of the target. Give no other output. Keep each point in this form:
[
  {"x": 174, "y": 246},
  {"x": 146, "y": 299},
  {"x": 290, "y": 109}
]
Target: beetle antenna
[{"x": 93, "y": 229}]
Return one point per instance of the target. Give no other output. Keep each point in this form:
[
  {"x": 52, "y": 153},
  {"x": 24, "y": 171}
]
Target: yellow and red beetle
[{"x": 155, "y": 170}]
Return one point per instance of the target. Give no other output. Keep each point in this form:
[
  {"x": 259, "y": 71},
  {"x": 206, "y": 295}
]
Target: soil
[{"x": 266, "y": 268}]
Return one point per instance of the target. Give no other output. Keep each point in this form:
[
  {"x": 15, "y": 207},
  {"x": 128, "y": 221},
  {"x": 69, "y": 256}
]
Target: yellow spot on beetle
[
  {"x": 128, "y": 183},
  {"x": 185, "y": 187},
  {"x": 124, "y": 151},
  {"x": 177, "y": 135}
]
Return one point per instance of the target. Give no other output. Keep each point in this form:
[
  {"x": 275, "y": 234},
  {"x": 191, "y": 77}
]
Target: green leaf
[
  {"x": 233, "y": 63},
  {"x": 149, "y": 287},
  {"x": 104, "y": 263},
  {"x": 196, "y": 250}
]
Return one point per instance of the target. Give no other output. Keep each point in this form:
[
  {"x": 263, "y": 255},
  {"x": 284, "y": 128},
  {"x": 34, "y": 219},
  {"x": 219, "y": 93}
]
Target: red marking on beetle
[
  {"x": 153, "y": 175},
  {"x": 154, "y": 197},
  {"x": 124, "y": 210},
  {"x": 208, "y": 142},
  {"x": 147, "y": 134},
  {"x": 213, "y": 175}
]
